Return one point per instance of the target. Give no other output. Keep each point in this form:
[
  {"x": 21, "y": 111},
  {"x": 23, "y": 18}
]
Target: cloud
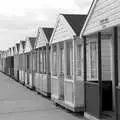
[
  {"x": 83, "y": 5},
  {"x": 21, "y": 18}
]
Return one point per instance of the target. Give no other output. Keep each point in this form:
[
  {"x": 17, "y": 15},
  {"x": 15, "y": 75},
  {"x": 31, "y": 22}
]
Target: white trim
[
  {"x": 88, "y": 17},
  {"x": 68, "y": 80},
  {"x": 27, "y": 44},
  {"x": 16, "y": 52},
  {"x": 21, "y": 50},
  {"x": 67, "y": 26},
  {"x": 41, "y": 31},
  {"x": 69, "y": 103},
  {"x": 57, "y": 21}
]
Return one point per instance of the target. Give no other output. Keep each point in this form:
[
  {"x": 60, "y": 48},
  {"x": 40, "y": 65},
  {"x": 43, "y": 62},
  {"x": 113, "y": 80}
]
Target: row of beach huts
[{"x": 76, "y": 64}]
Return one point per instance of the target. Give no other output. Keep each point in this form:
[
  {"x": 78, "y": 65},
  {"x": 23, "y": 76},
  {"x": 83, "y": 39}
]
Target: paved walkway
[{"x": 19, "y": 103}]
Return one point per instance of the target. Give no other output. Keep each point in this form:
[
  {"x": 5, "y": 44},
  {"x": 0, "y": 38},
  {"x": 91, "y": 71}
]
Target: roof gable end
[
  {"x": 76, "y": 21},
  {"x": 102, "y": 14},
  {"x": 41, "y": 38},
  {"x": 62, "y": 30}
]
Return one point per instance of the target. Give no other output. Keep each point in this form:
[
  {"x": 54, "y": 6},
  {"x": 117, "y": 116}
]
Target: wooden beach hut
[
  {"x": 21, "y": 61},
  {"x": 8, "y": 61},
  {"x": 1, "y": 60},
  {"x": 67, "y": 87},
  {"x": 2, "y": 56},
  {"x": 28, "y": 53},
  {"x": 4, "y": 61},
  {"x": 13, "y": 53},
  {"x": 101, "y": 33},
  {"x": 41, "y": 61},
  {"x": 16, "y": 61},
  {"x": 11, "y": 57}
]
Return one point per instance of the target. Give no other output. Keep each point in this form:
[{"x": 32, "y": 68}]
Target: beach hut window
[
  {"x": 54, "y": 62},
  {"x": 37, "y": 61},
  {"x": 62, "y": 60},
  {"x": 88, "y": 59},
  {"x": 28, "y": 62},
  {"x": 41, "y": 61},
  {"x": 21, "y": 61},
  {"x": 69, "y": 60},
  {"x": 44, "y": 60},
  {"x": 93, "y": 57},
  {"x": 34, "y": 61},
  {"x": 79, "y": 60},
  {"x": 24, "y": 61},
  {"x": 61, "y": 57}
]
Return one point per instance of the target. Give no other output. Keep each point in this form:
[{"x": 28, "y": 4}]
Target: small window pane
[
  {"x": 79, "y": 60},
  {"x": 69, "y": 60},
  {"x": 54, "y": 62}
]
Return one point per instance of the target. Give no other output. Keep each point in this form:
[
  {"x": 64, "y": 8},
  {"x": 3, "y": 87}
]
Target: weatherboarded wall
[{"x": 106, "y": 13}]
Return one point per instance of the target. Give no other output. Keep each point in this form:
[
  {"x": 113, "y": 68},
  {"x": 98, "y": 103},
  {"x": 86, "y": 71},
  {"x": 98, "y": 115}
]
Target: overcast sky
[{"x": 21, "y": 18}]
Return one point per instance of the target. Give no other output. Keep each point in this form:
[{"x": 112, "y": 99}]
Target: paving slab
[{"x": 19, "y": 103}]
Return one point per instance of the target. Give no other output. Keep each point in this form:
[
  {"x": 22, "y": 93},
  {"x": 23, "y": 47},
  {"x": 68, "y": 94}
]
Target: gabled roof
[
  {"x": 13, "y": 48},
  {"x": 18, "y": 46},
  {"x": 88, "y": 16},
  {"x": 23, "y": 44},
  {"x": 67, "y": 26},
  {"x": 43, "y": 36},
  {"x": 32, "y": 41},
  {"x": 76, "y": 21},
  {"x": 48, "y": 32},
  {"x": 102, "y": 14},
  {"x": 9, "y": 51}
]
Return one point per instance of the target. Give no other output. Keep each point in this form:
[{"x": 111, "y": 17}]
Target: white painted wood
[
  {"x": 42, "y": 39},
  {"x": 63, "y": 31},
  {"x": 69, "y": 93},
  {"x": 74, "y": 66},
  {"x": 28, "y": 46},
  {"x": 57, "y": 45},
  {"x": 44, "y": 83},
  {"x": 103, "y": 14},
  {"x": 79, "y": 93},
  {"x": 65, "y": 69},
  {"x": 119, "y": 55},
  {"x": 16, "y": 51},
  {"x": 21, "y": 50}
]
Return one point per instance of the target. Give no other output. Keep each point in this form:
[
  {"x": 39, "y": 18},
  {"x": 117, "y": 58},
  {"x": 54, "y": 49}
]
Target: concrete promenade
[{"x": 19, "y": 103}]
